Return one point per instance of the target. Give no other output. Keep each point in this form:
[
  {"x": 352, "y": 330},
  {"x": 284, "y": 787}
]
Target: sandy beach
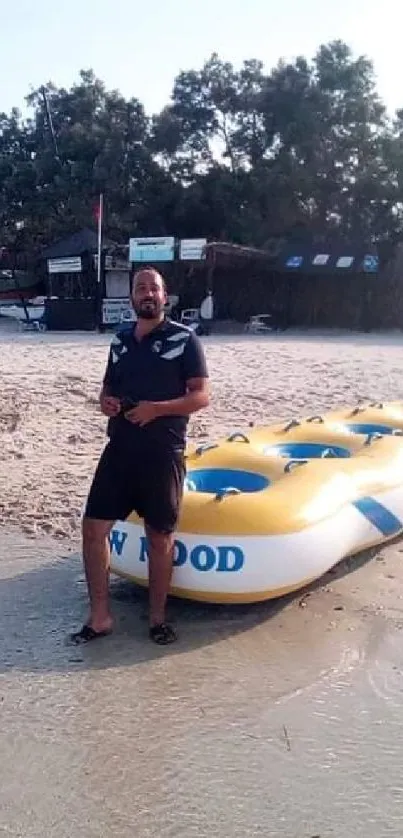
[
  {"x": 282, "y": 719},
  {"x": 52, "y": 431}
]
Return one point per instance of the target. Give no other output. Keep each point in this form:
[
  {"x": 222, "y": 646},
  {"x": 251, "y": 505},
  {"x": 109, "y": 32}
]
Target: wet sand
[
  {"x": 280, "y": 719},
  {"x": 277, "y": 719}
]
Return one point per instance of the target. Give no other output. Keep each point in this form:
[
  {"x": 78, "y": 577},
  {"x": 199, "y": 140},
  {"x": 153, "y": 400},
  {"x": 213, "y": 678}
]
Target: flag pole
[
  {"x": 50, "y": 122},
  {"x": 100, "y": 214},
  {"x": 99, "y": 260}
]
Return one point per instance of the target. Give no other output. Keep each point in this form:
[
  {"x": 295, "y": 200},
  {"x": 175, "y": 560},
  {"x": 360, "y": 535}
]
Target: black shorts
[{"x": 147, "y": 482}]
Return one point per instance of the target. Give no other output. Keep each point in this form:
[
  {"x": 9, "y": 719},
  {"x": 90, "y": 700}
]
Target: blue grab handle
[
  {"x": 372, "y": 437},
  {"x": 206, "y": 447},
  {"x": 293, "y": 423},
  {"x": 293, "y": 464},
  {"x": 328, "y": 452},
  {"x": 229, "y": 490}
]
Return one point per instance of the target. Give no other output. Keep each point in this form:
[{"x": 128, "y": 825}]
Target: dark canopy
[{"x": 84, "y": 241}]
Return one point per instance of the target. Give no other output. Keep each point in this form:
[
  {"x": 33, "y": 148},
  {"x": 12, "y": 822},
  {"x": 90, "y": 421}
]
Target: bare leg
[
  {"x": 96, "y": 554},
  {"x": 161, "y": 554}
]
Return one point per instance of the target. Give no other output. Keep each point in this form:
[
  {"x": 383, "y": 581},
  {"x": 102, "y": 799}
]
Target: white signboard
[
  {"x": 321, "y": 259},
  {"x": 344, "y": 261},
  {"x": 192, "y": 249},
  {"x": 159, "y": 249},
  {"x": 116, "y": 310},
  {"x": 68, "y": 265},
  {"x": 113, "y": 263}
]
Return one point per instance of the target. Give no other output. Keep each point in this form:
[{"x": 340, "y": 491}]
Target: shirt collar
[{"x": 162, "y": 327}]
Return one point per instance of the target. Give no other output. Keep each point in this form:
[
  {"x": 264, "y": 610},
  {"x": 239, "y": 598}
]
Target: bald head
[{"x": 148, "y": 294}]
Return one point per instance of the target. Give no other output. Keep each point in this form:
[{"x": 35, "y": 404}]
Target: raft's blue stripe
[{"x": 385, "y": 521}]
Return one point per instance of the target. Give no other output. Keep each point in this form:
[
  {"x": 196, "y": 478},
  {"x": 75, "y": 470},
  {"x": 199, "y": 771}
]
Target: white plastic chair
[
  {"x": 190, "y": 315},
  {"x": 128, "y": 316},
  {"x": 259, "y": 323}
]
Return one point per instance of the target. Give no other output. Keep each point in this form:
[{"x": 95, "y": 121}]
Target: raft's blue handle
[
  {"x": 293, "y": 423},
  {"x": 206, "y": 447},
  {"x": 372, "y": 437},
  {"x": 361, "y": 407},
  {"x": 293, "y": 463},
  {"x": 328, "y": 452},
  {"x": 229, "y": 490}
]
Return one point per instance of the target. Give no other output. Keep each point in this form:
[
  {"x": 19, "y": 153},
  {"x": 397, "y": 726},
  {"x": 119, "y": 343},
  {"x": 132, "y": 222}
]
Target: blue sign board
[
  {"x": 370, "y": 263},
  {"x": 294, "y": 261},
  {"x": 157, "y": 249}
]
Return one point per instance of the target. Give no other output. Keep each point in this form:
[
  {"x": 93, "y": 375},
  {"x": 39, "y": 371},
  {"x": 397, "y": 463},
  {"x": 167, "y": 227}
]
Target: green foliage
[{"x": 237, "y": 154}]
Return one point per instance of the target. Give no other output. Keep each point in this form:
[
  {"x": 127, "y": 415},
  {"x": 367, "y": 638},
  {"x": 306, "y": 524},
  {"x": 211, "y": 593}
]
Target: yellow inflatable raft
[{"x": 270, "y": 509}]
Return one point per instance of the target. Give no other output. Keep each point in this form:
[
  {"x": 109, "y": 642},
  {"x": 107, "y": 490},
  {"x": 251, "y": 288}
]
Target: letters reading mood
[{"x": 202, "y": 557}]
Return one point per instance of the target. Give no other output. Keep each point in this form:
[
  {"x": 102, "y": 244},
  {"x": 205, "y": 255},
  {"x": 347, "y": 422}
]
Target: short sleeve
[
  {"x": 194, "y": 360},
  {"x": 108, "y": 379},
  {"x": 110, "y": 375}
]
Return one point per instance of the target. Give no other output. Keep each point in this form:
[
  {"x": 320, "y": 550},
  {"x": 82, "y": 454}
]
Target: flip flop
[
  {"x": 86, "y": 634},
  {"x": 162, "y": 634}
]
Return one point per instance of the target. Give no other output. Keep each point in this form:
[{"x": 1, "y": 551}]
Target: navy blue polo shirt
[{"x": 156, "y": 368}]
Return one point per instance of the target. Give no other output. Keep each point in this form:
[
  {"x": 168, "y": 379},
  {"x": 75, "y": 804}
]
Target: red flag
[{"x": 97, "y": 211}]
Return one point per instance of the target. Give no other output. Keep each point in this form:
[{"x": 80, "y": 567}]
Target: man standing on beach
[
  {"x": 155, "y": 378},
  {"x": 207, "y": 312}
]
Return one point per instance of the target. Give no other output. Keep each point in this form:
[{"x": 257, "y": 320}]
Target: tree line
[{"x": 238, "y": 155}]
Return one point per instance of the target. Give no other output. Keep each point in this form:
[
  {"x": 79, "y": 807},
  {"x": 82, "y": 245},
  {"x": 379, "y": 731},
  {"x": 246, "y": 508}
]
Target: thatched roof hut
[
  {"x": 300, "y": 282},
  {"x": 226, "y": 255}
]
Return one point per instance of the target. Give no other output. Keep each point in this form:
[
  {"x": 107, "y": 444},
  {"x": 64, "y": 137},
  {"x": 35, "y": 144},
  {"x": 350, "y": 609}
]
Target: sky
[{"x": 139, "y": 47}]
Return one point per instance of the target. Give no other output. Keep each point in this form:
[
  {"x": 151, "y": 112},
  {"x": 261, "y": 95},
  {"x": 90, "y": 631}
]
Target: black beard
[{"x": 146, "y": 312}]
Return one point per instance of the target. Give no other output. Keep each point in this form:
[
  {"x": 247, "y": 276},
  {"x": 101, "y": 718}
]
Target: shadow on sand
[{"x": 39, "y": 607}]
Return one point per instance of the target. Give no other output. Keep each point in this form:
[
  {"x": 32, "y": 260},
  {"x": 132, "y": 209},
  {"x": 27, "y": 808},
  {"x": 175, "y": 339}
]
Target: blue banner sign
[
  {"x": 294, "y": 261},
  {"x": 370, "y": 263},
  {"x": 159, "y": 249}
]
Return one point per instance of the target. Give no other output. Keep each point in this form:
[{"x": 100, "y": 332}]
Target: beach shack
[{"x": 80, "y": 294}]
